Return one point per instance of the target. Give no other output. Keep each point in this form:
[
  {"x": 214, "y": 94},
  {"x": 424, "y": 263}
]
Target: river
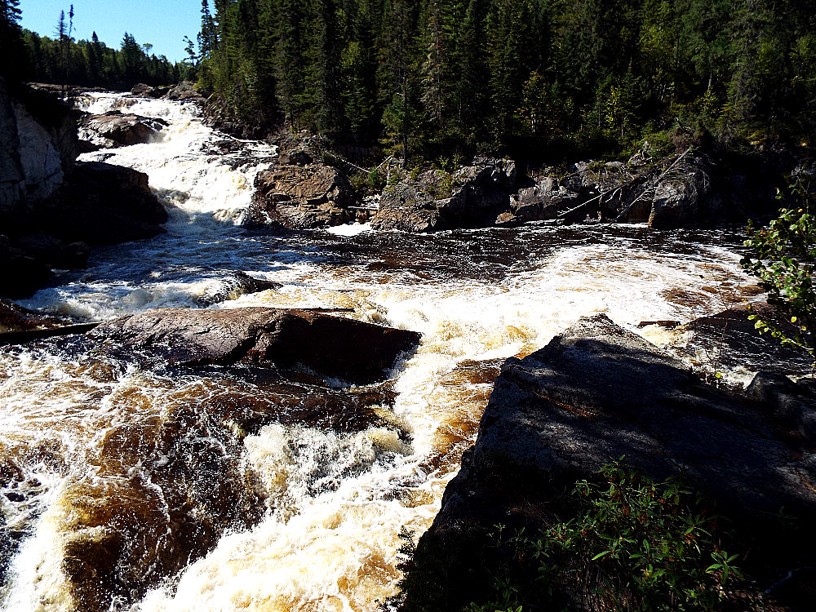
[{"x": 336, "y": 498}]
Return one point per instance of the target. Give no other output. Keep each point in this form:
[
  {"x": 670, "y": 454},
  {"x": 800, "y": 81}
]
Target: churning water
[{"x": 101, "y": 451}]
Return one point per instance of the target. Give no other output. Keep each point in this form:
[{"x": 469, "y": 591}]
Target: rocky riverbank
[
  {"x": 692, "y": 188},
  {"x": 596, "y": 394},
  {"x": 53, "y": 209}
]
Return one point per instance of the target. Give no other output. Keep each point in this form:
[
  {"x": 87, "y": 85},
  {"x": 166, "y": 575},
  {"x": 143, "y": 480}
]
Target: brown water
[{"x": 225, "y": 490}]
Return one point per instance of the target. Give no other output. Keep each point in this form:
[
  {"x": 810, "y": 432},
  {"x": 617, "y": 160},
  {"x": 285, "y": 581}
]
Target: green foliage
[
  {"x": 64, "y": 61},
  {"x": 10, "y": 40},
  {"x": 783, "y": 256},
  {"x": 438, "y": 78},
  {"x": 629, "y": 544}
]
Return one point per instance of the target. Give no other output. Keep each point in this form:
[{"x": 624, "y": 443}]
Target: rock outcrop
[
  {"x": 184, "y": 91},
  {"x": 326, "y": 345},
  {"x": 595, "y": 394},
  {"x": 51, "y": 208},
  {"x": 38, "y": 146},
  {"x": 14, "y": 318},
  {"x": 301, "y": 196},
  {"x": 115, "y": 129},
  {"x": 473, "y": 196},
  {"x": 103, "y": 204}
]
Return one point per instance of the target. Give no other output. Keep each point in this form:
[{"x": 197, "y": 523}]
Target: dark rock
[
  {"x": 184, "y": 91},
  {"x": 677, "y": 200},
  {"x": 730, "y": 341},
  {"x": 142, "y": 90},
  {"x": 54, "y": 252},
  {"x": 595, "y": 394},
  {"x": 335, "y": 347},
  {"x": 473, "y": 196},
  {"x": 545, "y": 199},
  {"x": 301, "y": 197},
  {"x": 115, "y": 129},
  {"x": 103, "y": 204},
  {"x": 14, "y": 318},
  {"x": 234, "y": 286},
  {"x": 12, "y": 178},
  {"x": 789, "y": 402},
  {"x": 22, "y": 274}
]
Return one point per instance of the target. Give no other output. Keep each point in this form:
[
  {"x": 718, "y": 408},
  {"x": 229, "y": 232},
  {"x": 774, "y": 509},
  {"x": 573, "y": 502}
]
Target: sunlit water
[{"x": 336, "y": 499}]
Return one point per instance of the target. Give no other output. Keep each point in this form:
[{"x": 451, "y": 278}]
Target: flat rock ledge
[
  {"x": 330, "y": 346},
  {"x": 597, "y": 393}
]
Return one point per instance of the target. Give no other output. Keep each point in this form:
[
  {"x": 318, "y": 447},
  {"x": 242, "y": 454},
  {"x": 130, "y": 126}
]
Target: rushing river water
[{"x": 336, "y": 498}]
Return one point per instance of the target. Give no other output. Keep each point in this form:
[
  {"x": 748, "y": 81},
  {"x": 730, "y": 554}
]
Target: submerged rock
[
  {"x": 329, "y": 346},
  {"x": 598, "y": 393},
  {"x": 167, "y": 484}
]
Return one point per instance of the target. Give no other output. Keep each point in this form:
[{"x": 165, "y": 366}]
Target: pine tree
[{"x": 11, "y": 41}]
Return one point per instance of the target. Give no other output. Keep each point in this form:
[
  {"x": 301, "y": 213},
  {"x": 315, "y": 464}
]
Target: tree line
[
  {"x": 452, "y": 77},
  {"x": 64, "y": 60}
]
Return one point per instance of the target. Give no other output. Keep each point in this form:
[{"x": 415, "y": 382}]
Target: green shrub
[
  {"x": 633, "y": 544},
  {"x": 783, "y": 256}
]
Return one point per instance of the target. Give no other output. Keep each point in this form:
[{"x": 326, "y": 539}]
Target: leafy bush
[
  {"x": 783, "y": 256},
  {"x": 633, "y": 545}
]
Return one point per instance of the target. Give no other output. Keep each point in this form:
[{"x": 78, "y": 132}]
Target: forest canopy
[
  {"x": 63, "y": 60},
  {"x": 453, "y": 77}
]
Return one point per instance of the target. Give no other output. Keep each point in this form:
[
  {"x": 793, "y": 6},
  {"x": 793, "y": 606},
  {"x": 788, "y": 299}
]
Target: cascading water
[{"x": 335, "y": 499}]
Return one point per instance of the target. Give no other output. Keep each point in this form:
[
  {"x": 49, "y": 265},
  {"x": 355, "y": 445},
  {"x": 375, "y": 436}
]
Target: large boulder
[
  {"x": 301, "y": 196},
  {"x": 38, "y": 146},
  {"x": 326, "y": 345},
  {"x": 598, "y": 393},
  {"x": 184, "y": 91},
  {"x": 545, "y": 199},
  {"x": 102, "y": 204},
  {"x": 115, "y": 129},
  {"x": 473, "y": 196}
]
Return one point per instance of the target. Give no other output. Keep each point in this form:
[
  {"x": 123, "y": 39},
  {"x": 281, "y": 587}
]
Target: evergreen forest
[
  {"x": 63, "y": 60},
  {"x": 444, "y": 79}
]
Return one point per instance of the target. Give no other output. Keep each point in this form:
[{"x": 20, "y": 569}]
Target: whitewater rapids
[{"x": 337, "y": 501}]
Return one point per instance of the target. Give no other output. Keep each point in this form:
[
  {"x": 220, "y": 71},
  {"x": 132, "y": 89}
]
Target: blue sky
[{"x": 163, "y": 23}]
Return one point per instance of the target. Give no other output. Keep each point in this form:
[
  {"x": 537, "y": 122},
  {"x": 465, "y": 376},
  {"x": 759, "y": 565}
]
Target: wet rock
[
  {"x": 97, "y": 204},
  {"x": 595, "y": 394},
  {"x": 473, "y": 196},
  {"x": 301, "y": 197},
  {"x": 234, "y": 286},
  {"x": 102, "y": 204},
  {"x": 14, "y": 318},
  {"x": 330, "y": 346},
  {"x": 54, "y": 252},
  {"x": 115, "y": 129}
]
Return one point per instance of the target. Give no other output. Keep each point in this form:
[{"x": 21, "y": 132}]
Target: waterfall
[{"x": 334, "y": 501}]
